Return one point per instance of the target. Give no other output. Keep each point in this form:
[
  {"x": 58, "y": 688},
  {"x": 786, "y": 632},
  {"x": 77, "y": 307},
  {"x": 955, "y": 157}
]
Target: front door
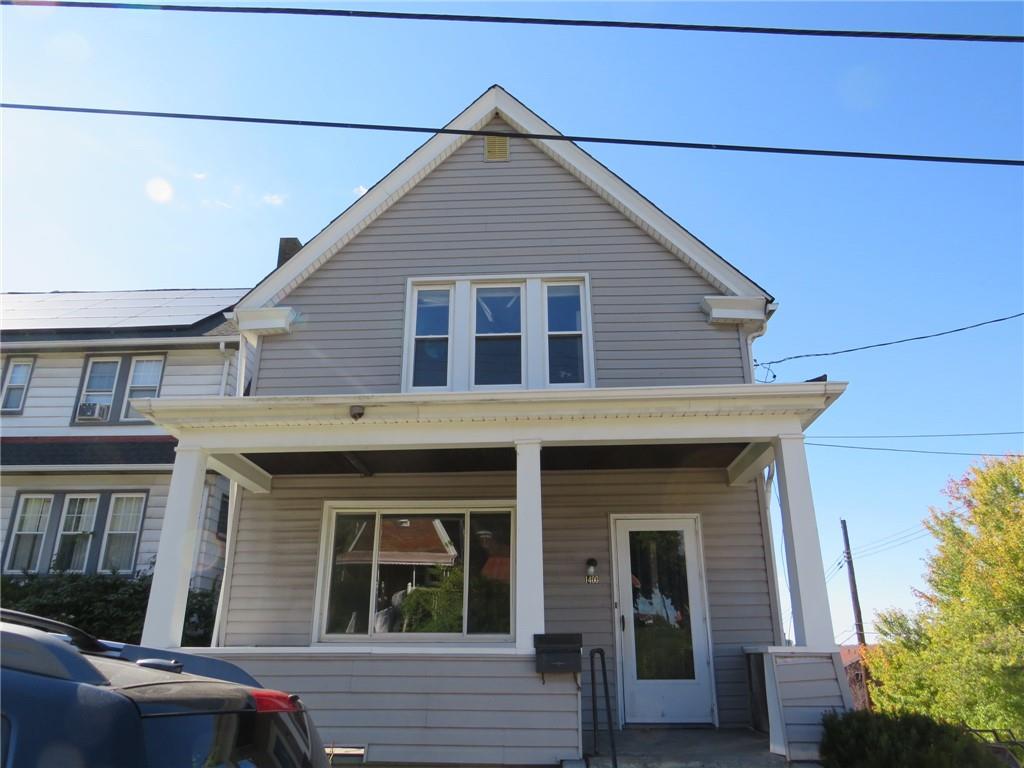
[{"x": 665, "y": 658}]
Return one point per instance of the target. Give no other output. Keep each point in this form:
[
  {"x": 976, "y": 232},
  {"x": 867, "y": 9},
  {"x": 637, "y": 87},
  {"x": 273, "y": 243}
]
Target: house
[
  {"x": 85, "y": 475},
  {"x": 498, "y": 365},
  {"x": 856, "y": 669}
]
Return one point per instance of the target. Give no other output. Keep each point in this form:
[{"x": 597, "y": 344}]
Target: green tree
[{"x": 960, "y": 657}]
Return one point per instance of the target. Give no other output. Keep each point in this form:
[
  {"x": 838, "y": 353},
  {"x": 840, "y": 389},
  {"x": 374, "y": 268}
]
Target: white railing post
[
  {"x": 529, "y": 566},
  {"x": 165, "y": 614},
  {"x": 812, "y": 618}
]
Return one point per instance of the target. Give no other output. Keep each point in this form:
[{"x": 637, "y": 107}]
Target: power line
[
  {"x": 908, "y": 437},
  {"x": 914, "y": 450},
  {"x": 898, "y": 542},
  {"x": 922, "y": 535},
  {"x": 519, "y": 135},
  {"x": 890, "y": 343},
  {"x": 458, "y": 17}
]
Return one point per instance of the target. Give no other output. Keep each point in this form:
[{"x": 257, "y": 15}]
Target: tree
[{"x": 960, "y": 657}]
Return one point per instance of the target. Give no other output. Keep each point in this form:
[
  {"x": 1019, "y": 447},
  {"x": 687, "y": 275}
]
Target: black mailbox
[{"x": 559, "y": 653}]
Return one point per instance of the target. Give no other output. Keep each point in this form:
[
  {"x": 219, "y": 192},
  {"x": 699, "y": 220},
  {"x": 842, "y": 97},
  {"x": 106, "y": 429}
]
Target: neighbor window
[
  {"x": 143, "y": 381},
  {"x": 28, "y": 533},
  {"x": 419, "y": 572},
  {"x": 75, "y": 534},
  {"x": 482, "y": 333},
  {"x": 123, "y": 523},
  {"x": 97, "y": 397},
  {"x": 16, "y": 385}
]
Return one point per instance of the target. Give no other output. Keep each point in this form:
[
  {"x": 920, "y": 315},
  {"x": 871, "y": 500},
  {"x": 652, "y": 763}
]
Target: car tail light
[{"x": 275, "y": 701}]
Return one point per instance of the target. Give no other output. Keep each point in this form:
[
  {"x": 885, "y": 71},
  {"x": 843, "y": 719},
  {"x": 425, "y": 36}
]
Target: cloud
[
  {"x": 159, "y": 190},
  {"x": 359, "y": 191},
  {"x": 200, "y": 175},
  {"x": 216, "y": 204},
  {"x": 273, "y": 199}
]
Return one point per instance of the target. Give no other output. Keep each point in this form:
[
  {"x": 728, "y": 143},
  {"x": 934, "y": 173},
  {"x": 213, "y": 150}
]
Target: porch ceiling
[{"x": 651, "y": 456}]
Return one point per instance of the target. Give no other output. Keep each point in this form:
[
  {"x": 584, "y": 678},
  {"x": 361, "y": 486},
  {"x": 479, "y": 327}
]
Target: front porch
[
  {"x": 685, "y": 748},
  {"x": 562, "y": 467}
]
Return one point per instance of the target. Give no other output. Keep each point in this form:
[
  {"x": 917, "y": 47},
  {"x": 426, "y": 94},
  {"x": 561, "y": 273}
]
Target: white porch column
[
  {"x": 165, "y": 614},
  {"x": 529, "y": 545},
  {"x": 812, "y": 618}
]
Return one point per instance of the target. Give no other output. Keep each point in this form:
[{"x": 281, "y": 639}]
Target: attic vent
[{"x": 496, "y": 148}]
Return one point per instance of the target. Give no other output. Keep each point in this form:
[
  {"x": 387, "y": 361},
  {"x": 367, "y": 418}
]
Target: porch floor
[{"x": 684, "y": 748}]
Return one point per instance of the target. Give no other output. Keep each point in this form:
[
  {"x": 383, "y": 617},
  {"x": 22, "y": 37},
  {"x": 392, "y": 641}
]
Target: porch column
[
  {"x": 165, "y": 614},
  {"x": 529, "y": 554},
  {"x": 812, "y": 618}
]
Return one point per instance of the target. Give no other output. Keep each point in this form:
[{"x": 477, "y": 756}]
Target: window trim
[
  {"x": 334, "y": 509},
  {"x": 84, "y": 390},
  {"x": 9, "y": 364},
  {"x": 68, "y": 496},
  {"x": 128, "y": 385},
  {"x": 474, "y": 289},
  {"x": 462, "y": 331},
  {"x": 584, "y": 333},
  {"x": 19, "y": 510},
  {"x": 106, "y": 529}
]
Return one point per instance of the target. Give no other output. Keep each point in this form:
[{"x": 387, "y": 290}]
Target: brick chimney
[{"x": 286, "y": 248}]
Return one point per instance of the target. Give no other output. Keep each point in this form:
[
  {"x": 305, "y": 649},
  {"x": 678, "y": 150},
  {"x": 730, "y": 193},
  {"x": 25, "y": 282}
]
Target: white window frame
[
  {"x": 107, "y": 532},
  {"x": 11, "y": 363},
  {"x": 14, "y": 532},
  {"x": 128, "y": 385},
  {"x": 409, "y": 356},
  {"x": 85, "y": 390},
  {"x": 426, "y": 640},
  {"x": 462, "y": 330},
  {"x": 91, "y": 533},
  {"x": 523, "y": 375}
]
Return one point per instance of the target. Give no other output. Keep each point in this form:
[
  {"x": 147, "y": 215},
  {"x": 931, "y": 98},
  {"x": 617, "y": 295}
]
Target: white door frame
[{"x": 616, "y": 612}]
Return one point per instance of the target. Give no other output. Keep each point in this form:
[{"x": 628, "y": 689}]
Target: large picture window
[{"x": 402, "y": 572}]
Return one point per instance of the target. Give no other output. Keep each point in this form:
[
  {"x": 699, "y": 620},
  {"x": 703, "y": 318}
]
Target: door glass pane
[
  {"x": 419, "y": 574},
  {"x": 564, "y": 308},
  {"x": 498, "y": 310},
  {"x": 432, "y": 313},
  {"x": 490, "y": 573},
  {"x": 499, "y": 360},
  {"x": 661, "y": 606},
  {"x": 430, "y": 366},
  {"x": 348, "y": 603},
  {"x": 565, "y": 359}
]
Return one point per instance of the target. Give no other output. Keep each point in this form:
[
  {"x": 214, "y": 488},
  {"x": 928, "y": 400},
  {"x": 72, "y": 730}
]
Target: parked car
[{"x": 69, "y": 699}]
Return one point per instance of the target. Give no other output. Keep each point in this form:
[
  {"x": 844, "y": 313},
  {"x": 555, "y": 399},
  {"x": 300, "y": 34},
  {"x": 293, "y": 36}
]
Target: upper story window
[
  {"x": 143, "y": 381},
  {"x": 15, "y": 385},
  {"x": 109, "y": 384},
  {"x": 487, "y": 333},
  {"x": 97, "y": 397}
]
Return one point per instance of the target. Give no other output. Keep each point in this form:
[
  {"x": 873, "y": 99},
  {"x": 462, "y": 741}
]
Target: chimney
[{"x": 286, "y": 248}]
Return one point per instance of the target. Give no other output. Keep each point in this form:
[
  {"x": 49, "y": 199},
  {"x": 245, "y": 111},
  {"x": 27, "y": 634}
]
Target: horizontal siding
[
  {"x": 469, "y": 217},
  {"x": 430, "y": 709},
  {"x": 809, "y": 686}
]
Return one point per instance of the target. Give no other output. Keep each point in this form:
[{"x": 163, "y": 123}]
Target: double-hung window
[
  {"x": 124, "y": 521},
  {"x": 441, "y": 570},
  {"x": 28, "y": 533},
  {"x": 97, "y": 398},
  {"x": 75, "y": 534},
  {"x": 16, "y": 385},
  {"x": 143, "y": 381},
  {"x": 488, "y": 333}
]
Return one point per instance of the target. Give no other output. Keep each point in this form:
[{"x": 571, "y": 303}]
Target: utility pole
[{"x": 858, "y": 620}]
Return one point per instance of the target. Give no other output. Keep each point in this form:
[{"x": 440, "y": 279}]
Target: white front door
[{"x": 665, "y": 656}]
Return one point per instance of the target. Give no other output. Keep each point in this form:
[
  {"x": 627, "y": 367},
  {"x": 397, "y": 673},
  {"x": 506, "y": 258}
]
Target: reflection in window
[
  {"x": 565, "y": 334},
  {"x": 498, "y": 352},
  {"x": 490, "y": 573},
  {"x": 75, "y": 533},
  {"x": 351, "y": 573},
  {"x": 430, "y": 347}
]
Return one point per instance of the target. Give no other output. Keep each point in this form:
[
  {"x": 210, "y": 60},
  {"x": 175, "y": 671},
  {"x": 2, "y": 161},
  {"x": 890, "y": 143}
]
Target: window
[
  {"x": 432, "y": 328},
  {"x": 443, "y": 571},
  {"x": 143, "y": 381},
  {"x": 16, "y": 386},
  {"x": 28, "y": 533},
  {"x": 222, "y": 515},
  {"x": 123, "y": 523},
  {"x": 98, "y": 390},
  {"x": 75, "y": 534},
  {"x": 486, "y": 333}
]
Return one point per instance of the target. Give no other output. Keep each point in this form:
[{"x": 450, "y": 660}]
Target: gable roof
[{"x": 497, "y": 102}]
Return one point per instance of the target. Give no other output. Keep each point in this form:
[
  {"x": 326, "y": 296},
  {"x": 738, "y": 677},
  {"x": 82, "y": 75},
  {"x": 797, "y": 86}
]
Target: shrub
[
  {"x": 106, "y": 606},
  {"x": 864, "y": 739}
]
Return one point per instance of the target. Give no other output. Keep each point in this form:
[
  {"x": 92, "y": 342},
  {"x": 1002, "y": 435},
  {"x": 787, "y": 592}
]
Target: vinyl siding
[
  {"x": 809, "y": 686},
  {"x": 274, "y": 573},
  {"x": 474, "y": 218}
]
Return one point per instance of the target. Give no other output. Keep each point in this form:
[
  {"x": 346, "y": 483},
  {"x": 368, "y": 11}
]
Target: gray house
[{"x": 504, "y": 395}]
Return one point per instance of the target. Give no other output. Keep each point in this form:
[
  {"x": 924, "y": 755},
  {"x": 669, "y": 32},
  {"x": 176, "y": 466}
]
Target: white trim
[
  {"x": 224, "y": 599},
  {"x": 412, "y": 289},
  {"x": 586, "y": 337},
  {"x": 409, "y": 642},
  {"x": 107, "y": 531},
  {"x": 91, "y": 533},
  {"x": 528, "y": 560},
  {"x": 355, "y": 649},
  {"x": 85, "y": 391},
  {"x": 736, "y": 310},
  {"x": 114, "y": 345},
  {"x": 162, "y": 359},
  {"x": 263, "y": 321},
  {"x": 496, "y": 102},
  {"x": 11, "y": 363},
  {"x": 475, "y": 287},
  {"x": 242, "y": 471},
  {"x": 15, "y": 533}
]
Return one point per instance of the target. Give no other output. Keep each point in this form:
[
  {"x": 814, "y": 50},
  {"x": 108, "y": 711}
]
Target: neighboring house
[
  {"x": 857, "y": 673},
  {"x": 84, "y": 475},
  {"x": 498, "y": 364}
]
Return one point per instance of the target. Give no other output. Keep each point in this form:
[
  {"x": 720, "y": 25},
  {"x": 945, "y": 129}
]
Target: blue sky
[{"x": 856, "y": 251}]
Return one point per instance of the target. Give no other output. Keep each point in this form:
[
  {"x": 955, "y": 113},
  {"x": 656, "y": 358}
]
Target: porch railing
[{"x": 594, "y": 653}]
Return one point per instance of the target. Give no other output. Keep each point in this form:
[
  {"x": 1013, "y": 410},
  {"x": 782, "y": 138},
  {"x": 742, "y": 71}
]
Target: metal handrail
[{"x": 607, "y": 703}]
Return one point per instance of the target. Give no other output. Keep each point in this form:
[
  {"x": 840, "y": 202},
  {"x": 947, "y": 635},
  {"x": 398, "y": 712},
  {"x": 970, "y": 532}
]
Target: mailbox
[{"x": 559, "y": 652}]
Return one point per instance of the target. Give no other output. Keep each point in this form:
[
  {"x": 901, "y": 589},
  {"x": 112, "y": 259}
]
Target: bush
[
  {"x": 106, "y": 606},
  {"x": 864, "y": 739}
]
